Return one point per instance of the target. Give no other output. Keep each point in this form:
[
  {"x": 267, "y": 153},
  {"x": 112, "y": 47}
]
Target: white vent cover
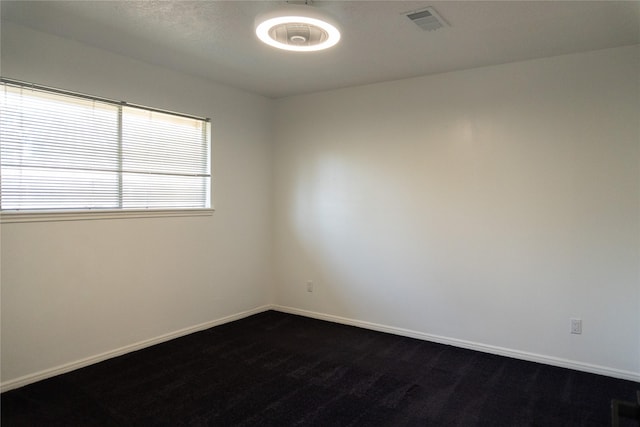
[{"x": 427, "y": 19}]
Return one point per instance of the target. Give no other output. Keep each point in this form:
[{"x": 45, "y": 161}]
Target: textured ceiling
[{"x": 215, "y": 39}]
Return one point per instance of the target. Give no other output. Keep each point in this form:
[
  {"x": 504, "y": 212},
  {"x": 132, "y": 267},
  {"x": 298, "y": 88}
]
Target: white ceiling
[{"x": 215, "y": 39}]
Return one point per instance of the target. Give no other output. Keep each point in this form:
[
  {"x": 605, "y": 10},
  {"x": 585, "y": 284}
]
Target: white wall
[
  {"x": 487, "y": 206},
  {"x": 73, "y": 290}
]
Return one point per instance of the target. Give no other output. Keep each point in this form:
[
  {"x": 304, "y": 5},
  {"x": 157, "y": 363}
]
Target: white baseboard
[
  {"x": 501, "y": 351},
  {"x": 516, "y": 354},
  {"x": 68, "y": 367}
]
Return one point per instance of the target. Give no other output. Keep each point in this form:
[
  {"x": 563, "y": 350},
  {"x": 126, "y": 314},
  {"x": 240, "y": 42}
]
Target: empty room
[{"x": 326, "y": 213}]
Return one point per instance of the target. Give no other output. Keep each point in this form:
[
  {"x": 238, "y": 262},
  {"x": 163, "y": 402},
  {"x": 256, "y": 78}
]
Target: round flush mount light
[{"x": 298, "y": 29}]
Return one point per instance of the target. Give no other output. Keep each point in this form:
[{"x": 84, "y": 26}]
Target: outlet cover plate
[{"x": 576, "y": 326}]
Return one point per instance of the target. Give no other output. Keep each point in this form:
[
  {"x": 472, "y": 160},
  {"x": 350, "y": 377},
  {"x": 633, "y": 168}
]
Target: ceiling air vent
[{"x": 427, "y": 19}]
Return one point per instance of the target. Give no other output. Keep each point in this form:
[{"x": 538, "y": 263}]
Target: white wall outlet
[
  {"x": 576, "y": 326},
  {"x": 309, "y": 285}
]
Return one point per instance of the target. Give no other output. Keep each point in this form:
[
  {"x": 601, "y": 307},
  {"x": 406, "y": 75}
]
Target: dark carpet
[{"x": 276, "y": 369}]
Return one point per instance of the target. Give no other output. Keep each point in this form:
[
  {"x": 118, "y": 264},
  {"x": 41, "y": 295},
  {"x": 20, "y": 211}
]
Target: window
[{"x": 65, "y": 152}]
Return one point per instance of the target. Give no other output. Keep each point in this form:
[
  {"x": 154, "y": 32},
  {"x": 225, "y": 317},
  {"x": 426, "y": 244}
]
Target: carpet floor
[{"x": 276, "y": 369}]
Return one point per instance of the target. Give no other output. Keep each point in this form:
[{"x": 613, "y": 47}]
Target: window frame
[{"x": 44, "y": 215}]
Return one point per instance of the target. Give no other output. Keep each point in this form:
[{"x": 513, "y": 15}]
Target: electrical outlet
[
  {"x": 309, "y": 285},
  {"x": 576, "y": 326}
]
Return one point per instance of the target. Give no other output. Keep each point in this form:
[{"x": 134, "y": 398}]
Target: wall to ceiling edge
[
  {"x": 481, "y": 208},
  {"x": 75, "y": 292}
]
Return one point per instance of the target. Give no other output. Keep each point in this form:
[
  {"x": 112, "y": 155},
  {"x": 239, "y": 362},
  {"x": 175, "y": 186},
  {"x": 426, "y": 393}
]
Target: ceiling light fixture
[{"x": 298, "y": 28}]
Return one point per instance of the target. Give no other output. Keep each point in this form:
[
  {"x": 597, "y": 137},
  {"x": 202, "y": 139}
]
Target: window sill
[{"x": 10, "y": 217}]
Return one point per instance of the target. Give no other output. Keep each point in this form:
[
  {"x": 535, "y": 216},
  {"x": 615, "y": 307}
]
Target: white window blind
[{"x": 68, "y": 152}]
